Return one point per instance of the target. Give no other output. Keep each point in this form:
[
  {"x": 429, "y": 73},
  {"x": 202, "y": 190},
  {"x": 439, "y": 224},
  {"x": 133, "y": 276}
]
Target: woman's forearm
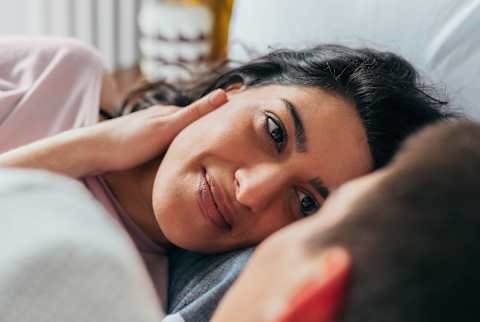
[
  {"x": 114, "y": 145},
  {"x": 69, "y": 153}
]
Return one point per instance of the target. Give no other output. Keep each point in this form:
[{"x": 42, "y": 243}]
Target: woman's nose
[{"x": 257, "y": 186}]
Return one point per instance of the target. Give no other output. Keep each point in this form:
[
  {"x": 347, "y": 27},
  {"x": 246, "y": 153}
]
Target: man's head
[{"x": 400, "y": 244}]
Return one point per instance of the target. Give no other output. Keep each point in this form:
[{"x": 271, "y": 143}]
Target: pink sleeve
[{"x": 47, "y": 86}]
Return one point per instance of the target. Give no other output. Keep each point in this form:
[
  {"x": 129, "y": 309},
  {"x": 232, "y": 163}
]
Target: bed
[{"x": 106, "y": 276}]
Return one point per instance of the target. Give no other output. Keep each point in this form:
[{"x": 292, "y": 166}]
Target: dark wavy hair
[{"x": 384, "y": 88}]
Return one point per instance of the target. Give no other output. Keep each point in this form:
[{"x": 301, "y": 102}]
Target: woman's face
[{"x": 265, "y": 159}]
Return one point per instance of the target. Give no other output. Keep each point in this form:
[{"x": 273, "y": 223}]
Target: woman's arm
[{"x": 112, "y": 145}]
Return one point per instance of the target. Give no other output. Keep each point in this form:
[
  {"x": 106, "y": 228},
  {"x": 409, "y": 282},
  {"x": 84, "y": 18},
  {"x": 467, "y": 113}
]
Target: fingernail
[{"x": 217, "y": 97}]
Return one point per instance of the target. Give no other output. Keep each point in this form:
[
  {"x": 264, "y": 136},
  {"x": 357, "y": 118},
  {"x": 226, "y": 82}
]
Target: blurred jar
[{"x": 181, "y": 38}]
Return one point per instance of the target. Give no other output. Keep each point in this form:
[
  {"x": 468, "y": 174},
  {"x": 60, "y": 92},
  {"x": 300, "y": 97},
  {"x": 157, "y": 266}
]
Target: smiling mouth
[{"x": 208, "y": 204}]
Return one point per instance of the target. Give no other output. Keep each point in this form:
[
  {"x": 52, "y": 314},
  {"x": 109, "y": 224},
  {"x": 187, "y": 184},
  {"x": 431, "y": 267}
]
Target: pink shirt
[{"x": 50, "y": 85}]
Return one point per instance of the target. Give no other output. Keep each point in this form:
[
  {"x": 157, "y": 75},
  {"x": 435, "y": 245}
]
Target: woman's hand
[
  {"x": 130, "y": 140},
  {"x": 112, "y": 145}
]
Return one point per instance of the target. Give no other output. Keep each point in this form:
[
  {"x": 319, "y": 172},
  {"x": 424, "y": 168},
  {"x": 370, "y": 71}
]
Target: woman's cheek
[
  {"x": 228, "y": 133},
  {"x": 225, "y": 126}
]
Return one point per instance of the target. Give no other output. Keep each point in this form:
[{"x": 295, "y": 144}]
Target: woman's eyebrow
[
  {"x": 300, "y": 138},
  {"x": 318, "y": 185}
]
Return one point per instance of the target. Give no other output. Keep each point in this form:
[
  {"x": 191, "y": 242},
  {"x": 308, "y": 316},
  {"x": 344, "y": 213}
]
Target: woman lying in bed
[{"x": 263, "y": 148}]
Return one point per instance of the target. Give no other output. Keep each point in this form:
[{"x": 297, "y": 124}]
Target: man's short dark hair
[{"x": 415, "y": 239}]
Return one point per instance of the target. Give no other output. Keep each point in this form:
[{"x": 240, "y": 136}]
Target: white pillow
[{"x": 440, "y": 37}]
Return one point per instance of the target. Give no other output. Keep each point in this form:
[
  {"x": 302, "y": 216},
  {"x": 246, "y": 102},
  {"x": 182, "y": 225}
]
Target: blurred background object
[
  {"x": 175, "y": 38},
  {"x": 185, "y": 31},
  {"x": 181, "y": 38}
]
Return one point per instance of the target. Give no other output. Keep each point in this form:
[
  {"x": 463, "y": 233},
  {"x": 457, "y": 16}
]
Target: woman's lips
[{"x": 208, "y": 204}]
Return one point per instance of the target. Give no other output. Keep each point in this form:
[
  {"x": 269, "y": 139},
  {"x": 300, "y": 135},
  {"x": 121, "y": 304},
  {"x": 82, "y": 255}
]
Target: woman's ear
[
  {"x": 320, "y": 300},
  {"x": 235, "y": 88}
]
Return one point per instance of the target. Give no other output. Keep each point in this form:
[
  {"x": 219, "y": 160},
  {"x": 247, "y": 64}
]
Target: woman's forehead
[
  {"x": 336, "y": 145},
  {"x": 294, "y": 92},
  {"x": 334, "y": 139}
]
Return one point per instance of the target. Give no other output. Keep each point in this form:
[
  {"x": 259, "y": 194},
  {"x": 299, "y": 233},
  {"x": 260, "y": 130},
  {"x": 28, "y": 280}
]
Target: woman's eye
[
  {"x": 276, "y": 131},
  {"x": 307, "y": 204}
]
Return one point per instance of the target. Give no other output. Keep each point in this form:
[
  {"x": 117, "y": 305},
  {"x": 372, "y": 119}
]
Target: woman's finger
[{"x": 200, "y": 108}]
